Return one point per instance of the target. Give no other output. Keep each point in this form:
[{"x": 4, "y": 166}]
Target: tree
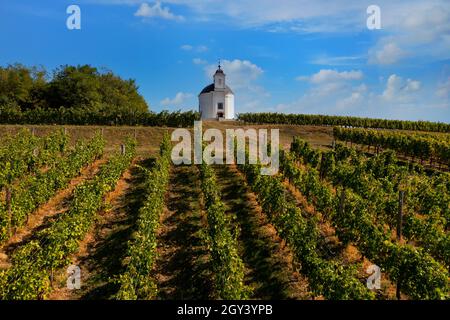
[
  {"x": 72, "y": 87},
  {"x": 21, "y": 85}
]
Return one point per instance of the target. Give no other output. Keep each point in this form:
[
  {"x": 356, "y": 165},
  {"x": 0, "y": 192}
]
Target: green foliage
[
  {"x": 70, "y": 87},
  {"x": 77, "y": 95},
  {"x": 327, "y": 278},
  {"x": 136, "y": 282},
  {"x": 86, "y": 87},
  {"x": 379, "y": 179},
  {"x": 227, "y": 265},
  {"x": 37, "y": 189},
  {"x": 12, "y": 114},
  {"x": 307, "y": 119},
  {"x": 421, "y": 276},
  {"x": 28, "y": 277},
  {"x": 23, "y": 154},
  {"x": 21, "y": 85},
  {"x": 421, "y": 146}
]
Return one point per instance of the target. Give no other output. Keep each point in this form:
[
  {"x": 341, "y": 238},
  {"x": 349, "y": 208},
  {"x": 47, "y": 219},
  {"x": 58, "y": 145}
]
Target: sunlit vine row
[
  {"x": 378, "y": 180},
  {"x": 37, "y": 189},
  {"x": 24, "y": 153},
  {"x": 326, "y": 277},
  {"x": 136, "y": 282},
  {"x": 419, "y": 275},
  {"x": 227, "y": 266},
  {"x": 415, "y": 146},
  {"x": 34, "y": 263}
]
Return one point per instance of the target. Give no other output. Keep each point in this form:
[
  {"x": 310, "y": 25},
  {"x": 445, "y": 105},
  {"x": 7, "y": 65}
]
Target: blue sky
[{"x": 290, "y": 56}]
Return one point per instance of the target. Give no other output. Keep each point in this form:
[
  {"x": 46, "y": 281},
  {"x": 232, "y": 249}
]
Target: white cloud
[
  {"x": 242, "y": 77},
  {"x": 330, "y": 92},
  {"x": 178, "y": 101},
  {"x": 328, "y": 89},
  {"x": 337, "y": 61},
  {"x": 399, "y": 90},
  {"x": 199, "y": 61},
  {"x": 240, "y": 73},
  {"x": 199, "y": 49},
  {"x": 156, "y": 11},
  {"x": 395, "y": 98},
  {"x": 357, "y": 96},
  {"x": 250, "y": 13},
  {"x": 443, "y": 89},
  {"x": 412, "y": 85},
  {"x": 187, "y": 47},
  {"x": 389, "y": 53},
  {"x": 287, "y": 15},
  {"x": 328, "y": 75},
  {"x": 202, "y": 48},
  {"x": 306, "y": 15},
  {"x": 415, "y": 27}
]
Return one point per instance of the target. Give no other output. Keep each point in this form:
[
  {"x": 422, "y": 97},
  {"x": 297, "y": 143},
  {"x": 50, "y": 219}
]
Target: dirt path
[
  {"x": 43, "y": 216},
  {"x": 269, "y": 263},
  {"x": 182, "y": 267},
  {"x": 104, "y": 248}
]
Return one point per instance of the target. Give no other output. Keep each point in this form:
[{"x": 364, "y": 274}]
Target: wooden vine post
[
  {"x": 322, "y": 169},
  {"x": 9, "y": 209},
  {"x": 52, "y": 277},
  {"x": 401, "y": 198},
  {"x": 342, "y": 202},
  {"x": 122, "y": 149}
]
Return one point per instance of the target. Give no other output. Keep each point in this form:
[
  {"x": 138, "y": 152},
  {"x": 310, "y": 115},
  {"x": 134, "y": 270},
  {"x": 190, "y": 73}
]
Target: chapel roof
[{"x": 211, "y": 88}]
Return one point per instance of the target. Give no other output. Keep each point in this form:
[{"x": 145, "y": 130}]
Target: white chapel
[{"x": 216, "y": 101}]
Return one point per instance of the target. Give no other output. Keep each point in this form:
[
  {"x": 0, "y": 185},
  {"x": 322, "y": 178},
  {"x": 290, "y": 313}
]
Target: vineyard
[
  {"x": 345, "y": 202},
  {"x": 434, "y": 149},
  {"x": 355, "y": 122}
]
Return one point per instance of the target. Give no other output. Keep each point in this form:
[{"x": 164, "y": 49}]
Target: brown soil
[
  {"x": 331, "y": 246},
  {"x": 334, "y": 249},
  {"x": 271, "y": 270},
  {"x": 102, "y": 251},
  {"x": 182, "y": 269},
  {"x": 45, "y": 214},
  {"x": 149, "y": 138},
  {"x": 405, "y": 159}
]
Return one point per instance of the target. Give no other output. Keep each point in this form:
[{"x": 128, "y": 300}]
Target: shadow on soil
[
  {"x": 183, "y": 266},
  {"x": 105, "y": 260},
  {"x": 269, "y": 272}
]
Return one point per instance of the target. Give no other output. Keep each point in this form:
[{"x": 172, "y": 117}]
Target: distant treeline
[
  {"x": 77, "y": 95},
  {"x": 80, "y": 116},
  {"x": 306, "y": 119}
]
